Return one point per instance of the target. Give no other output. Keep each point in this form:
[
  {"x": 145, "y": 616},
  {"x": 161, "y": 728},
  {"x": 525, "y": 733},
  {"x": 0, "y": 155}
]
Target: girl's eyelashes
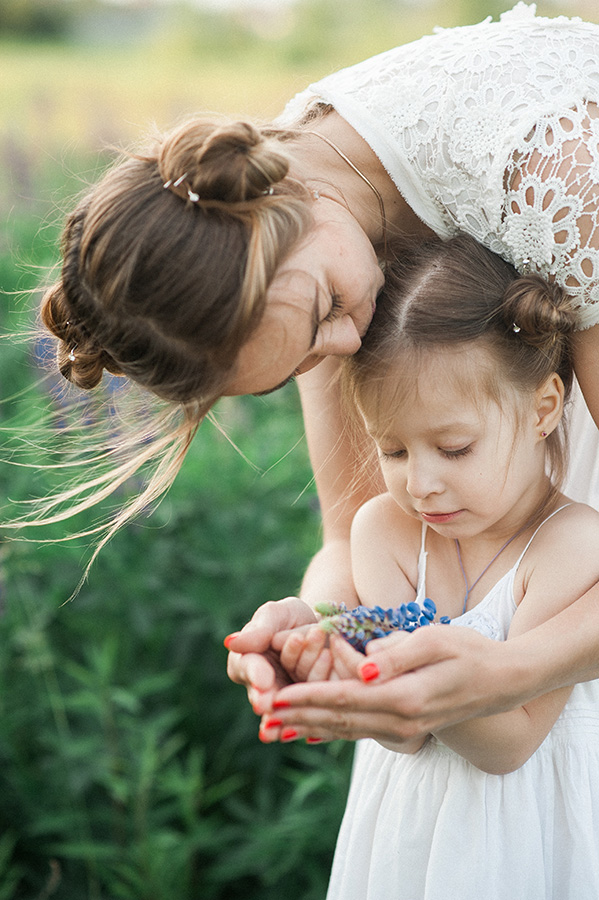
[
  {"x": 448, "y": 454},
  {"x": 455, "y": 454},
  {"x": 391, "y": 454}
]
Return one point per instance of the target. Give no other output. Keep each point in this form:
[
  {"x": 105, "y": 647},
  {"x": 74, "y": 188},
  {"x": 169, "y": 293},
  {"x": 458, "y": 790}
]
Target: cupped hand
[
  {"x": 408, "y": 686},
  {"x": 253, "y": 660}
]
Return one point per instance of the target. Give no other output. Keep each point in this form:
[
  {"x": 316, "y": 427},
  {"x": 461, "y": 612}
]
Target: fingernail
[
  {"x": 273, "y": 723},
  {"x": 230, "y": 637},
  {"x": 369, "y": 671},
  {"x": 288, "y": 734},
  {"x": 314, "y": 740},
  {"x": 281, "y": 704},
  {"x": 263, "y": 737}
]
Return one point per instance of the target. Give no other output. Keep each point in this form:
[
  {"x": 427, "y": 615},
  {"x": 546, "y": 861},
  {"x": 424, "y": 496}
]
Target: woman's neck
[{"x": 324, "y": 169}]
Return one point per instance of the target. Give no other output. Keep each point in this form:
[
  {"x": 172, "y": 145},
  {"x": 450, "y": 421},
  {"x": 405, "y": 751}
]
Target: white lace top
[{"x": 492, "y": 129}]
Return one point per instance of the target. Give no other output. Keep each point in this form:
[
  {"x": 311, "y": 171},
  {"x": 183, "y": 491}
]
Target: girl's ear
[{"x": 549, "y": 404}]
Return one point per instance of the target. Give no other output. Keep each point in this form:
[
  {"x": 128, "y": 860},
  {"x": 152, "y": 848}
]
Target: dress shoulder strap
[
  {"x": 538, "y": 528},
  {"x": 421, "y": 589}
]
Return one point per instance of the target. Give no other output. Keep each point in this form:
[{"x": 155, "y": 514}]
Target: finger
[
  {"x": 301, "y": 653},
  {"x": 393, "y": 710},
  {"x": 346, "y": 659},
  {"x": 268, "y": 619},
  {"x": 400, "y": 653},
  {"x": 295, "y": 723},
  {"x": 251, "y": 669},
  {"x": 322, "y": 668}
]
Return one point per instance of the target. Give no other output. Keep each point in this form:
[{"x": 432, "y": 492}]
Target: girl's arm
[{"x": 566, "y": 557}]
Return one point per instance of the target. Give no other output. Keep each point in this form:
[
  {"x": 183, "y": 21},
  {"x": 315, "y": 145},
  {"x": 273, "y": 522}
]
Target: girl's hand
[
  {"x": 307, "y": 654},
  {"x": 253, "y": 659},
  {"x": 410, "y": 685}
]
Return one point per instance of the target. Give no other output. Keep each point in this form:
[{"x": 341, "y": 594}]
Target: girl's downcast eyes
[{"x": 448, "y": 454}]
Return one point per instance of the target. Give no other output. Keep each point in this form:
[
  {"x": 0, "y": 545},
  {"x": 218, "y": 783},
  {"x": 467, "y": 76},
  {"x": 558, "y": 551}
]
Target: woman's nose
[{"x": 341, "y": 339}]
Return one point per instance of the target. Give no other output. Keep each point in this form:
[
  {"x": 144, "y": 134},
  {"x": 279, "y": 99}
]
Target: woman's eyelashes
[{"x": 336, "y": 308}]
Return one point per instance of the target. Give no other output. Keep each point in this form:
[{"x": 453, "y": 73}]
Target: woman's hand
[
  {"x": 408, "y": 686},
  {"x": 254, "y": 661}
]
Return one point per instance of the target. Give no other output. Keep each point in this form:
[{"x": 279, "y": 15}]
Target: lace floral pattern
[{"x": 492, "y": 129}]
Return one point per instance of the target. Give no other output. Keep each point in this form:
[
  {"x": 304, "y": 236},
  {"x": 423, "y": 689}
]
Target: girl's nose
[{"x": 422, "y": 480}]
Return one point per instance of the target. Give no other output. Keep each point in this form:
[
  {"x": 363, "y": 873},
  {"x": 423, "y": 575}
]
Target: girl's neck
[
  {"x": 323, "y": 169},
  {"x": 483, "y": 559}
]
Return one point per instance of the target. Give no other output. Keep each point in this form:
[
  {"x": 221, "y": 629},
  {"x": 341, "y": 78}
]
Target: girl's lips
[{"x": 440, "y": 518}]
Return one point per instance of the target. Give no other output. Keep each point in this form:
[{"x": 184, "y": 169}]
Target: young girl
[{"x": 461, "y": 382}]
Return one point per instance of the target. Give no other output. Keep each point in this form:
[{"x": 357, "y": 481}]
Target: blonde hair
[
  {"x": 452, "y": 293},
  {"x": 165, "y": 267}
]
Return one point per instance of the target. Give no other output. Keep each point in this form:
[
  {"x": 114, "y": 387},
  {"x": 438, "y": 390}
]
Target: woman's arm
[
  {"x": 343, "y": 480},
  {"x": 586, "y": 366},
  {"x": 343, "y": 486},
  {"x": 560, "y": 566},
  {"x": 437, "y": 677}
]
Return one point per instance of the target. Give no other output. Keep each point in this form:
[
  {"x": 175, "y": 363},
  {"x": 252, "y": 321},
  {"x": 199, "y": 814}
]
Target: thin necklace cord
[
  {"x": 470, "y": 588},
  {"x": 364, "y": 178}
]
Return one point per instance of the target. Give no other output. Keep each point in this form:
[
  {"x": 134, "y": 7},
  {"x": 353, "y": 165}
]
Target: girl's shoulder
[
  {"x": 567, "y": 539},
  {"x": 571, "y": 518},
  {"x": 381, "y": 515}
]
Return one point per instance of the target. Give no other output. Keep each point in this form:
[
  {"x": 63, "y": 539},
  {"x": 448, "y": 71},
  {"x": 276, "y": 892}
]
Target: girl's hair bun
[
  {"x": 540, "y": 313},
  {"x": 228, "y": 163}
]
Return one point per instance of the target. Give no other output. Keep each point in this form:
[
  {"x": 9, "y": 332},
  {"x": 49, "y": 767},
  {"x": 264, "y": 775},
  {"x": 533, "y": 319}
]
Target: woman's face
[{"x": 319, "y": 304}]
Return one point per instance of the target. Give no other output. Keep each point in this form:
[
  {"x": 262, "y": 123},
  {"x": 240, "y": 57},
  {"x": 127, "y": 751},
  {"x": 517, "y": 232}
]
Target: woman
[{"x": 227, "y": 259}]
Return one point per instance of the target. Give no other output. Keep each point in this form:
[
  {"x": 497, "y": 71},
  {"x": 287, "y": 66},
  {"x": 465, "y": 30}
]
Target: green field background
[{"x": 130, "y": 768}]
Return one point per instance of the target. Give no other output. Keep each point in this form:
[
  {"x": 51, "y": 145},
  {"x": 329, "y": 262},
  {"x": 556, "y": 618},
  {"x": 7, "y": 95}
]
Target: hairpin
[
  {"x": 72, "y": 353},
  {"x": 515, "y": 328}
]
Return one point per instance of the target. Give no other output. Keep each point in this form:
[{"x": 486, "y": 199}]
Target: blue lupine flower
[{"x": 362, "y": 624}]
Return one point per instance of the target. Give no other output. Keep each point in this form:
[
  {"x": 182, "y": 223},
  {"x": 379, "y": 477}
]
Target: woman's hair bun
[
  {"x": 540, "y": 312},
  {"x": 230, "y": 163},
  {"x": 79, "y": 358}
]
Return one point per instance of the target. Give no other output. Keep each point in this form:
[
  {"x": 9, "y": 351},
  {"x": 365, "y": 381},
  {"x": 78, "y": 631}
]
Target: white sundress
[
  {"x": 454, "y": 115},
  {"x": 431, "y": 826}
]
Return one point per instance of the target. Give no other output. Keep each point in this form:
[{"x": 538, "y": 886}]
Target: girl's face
[
  {"x": 464, "y": 467},
  {"x": 319, "y": 304}
]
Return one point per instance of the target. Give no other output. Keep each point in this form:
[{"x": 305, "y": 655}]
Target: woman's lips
[{"x": 440, "y": 518}]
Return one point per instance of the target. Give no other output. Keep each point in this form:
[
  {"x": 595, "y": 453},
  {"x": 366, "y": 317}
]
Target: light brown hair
[
  {"x": 454, "y": 292},
  {"x": 166, "y": 262}
]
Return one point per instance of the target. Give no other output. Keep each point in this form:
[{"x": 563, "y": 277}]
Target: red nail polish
[
  {"x": 273, "y": 723},
  {"x": 288, "y": 734},
  {"x": 369, "y": 672},
  {"x": 281, "y": 704},
  {"x": 311, "y": 740},
  {"x": 229, "y": 638}
]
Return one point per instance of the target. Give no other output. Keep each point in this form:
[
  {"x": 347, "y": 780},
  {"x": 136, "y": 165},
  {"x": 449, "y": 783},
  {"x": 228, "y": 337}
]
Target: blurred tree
[{"x": 34, "y": 18}]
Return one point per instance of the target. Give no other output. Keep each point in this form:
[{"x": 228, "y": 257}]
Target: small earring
[{"x": 543, "y": 434}]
